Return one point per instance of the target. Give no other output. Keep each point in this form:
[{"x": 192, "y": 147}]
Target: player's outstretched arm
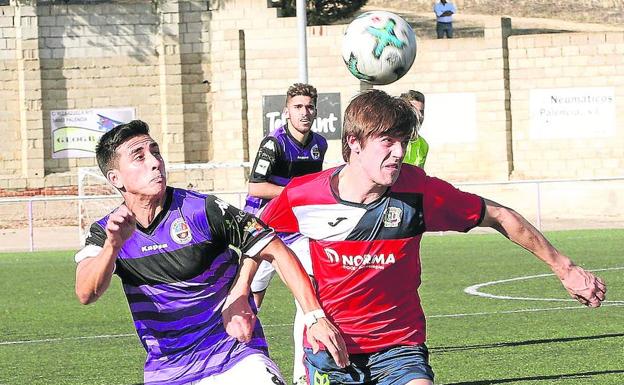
[
  {"x": 299, "y": 284},
  {"x": 93, "y": 275},
  {"x": 238, "y": 318},
  {"x": 580, "y": 284},
  {"x": 264, "y": 190}
]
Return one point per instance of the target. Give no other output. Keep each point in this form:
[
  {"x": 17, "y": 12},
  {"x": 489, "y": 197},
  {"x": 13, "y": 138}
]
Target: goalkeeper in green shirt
[{"x": 417, "y": 149}]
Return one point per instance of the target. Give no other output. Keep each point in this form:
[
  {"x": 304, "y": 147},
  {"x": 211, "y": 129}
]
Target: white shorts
[
  {"x": 300, "y": 245},
  {"x": 256, "y": 369},
  {"x": 263, "y": 276}
]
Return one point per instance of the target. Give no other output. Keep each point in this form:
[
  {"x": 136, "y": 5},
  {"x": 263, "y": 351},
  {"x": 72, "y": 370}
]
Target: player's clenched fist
[
  {"x": 584, "y": 286},
  {"x": 120, "y": 226}
]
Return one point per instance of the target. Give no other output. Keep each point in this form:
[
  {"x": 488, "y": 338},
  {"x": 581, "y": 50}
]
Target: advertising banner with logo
[
  {"x": 328, "y": 119},
  {"x": 76, "y": 132},
  {"x": 568, "y": 113}
]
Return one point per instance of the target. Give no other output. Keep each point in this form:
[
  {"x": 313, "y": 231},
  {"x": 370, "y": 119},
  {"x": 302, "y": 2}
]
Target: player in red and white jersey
[{"x": 363, "y": 222}]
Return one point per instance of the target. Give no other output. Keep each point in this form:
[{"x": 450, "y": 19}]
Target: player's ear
[
  {"x": 115, "y": 179},
  {"x": 285, "y": 113},
  {"x": 354, "y": 144}
]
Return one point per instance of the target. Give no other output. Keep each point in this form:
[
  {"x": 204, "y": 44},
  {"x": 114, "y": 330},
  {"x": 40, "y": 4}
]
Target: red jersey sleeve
[
  {"x": 447, "y": 208},
  {"x": 279, "y": 215}
]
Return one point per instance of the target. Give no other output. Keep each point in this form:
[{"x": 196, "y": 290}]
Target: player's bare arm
[
  {"x": 582, "y": 285},
  {"x": 299, "y": 284},
  {"x": 93, "y": 275},
  {"x": 238, "y": 318},
  {"x": 264, "y": 190}
]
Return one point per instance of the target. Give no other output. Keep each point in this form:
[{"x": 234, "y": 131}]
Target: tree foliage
[{"x": 323, "y": 11}]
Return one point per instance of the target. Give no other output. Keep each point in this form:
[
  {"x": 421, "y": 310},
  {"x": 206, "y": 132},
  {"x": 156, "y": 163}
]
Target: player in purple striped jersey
[
  {"x": 290, "y": 150},
  {"x": 171, "y": 249}
]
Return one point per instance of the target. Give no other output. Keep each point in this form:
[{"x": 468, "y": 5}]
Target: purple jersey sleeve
[
  {"x": 235, "y": 227},
  {"x": 266, "y": 159},
  {"x": 96, "y": 235}
]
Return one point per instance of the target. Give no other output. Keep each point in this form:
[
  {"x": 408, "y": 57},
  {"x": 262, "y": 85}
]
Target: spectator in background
[
  {"x": 417, "y": 148},
  {"x": 444, "y": 11}
]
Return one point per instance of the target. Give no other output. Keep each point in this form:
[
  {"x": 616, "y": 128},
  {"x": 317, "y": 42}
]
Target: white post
[
  {"x": 81, "y": 176},
  {"x": 302, "y": 23},
  {"x": 539, "y": 207},
  {"x": 30, "y": 225}
]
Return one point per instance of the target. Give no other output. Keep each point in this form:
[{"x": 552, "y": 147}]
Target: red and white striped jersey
[{"x": 365, "y": 257}]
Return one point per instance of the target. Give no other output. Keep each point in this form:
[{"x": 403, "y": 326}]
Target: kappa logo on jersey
[
  {"x": 315, "y": 152},
  {"x": 222, "y": 205},
  {"x": 147, "y": 248},
  {"x": 269, "y": 145},
  {"x": 355, "y": 262},
  {"x": 180, "y": 232},
  {"x": 392, "y": 217}
]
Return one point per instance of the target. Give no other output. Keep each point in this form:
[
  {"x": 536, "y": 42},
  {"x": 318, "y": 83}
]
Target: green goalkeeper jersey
[{"x": 416, "y": 153}]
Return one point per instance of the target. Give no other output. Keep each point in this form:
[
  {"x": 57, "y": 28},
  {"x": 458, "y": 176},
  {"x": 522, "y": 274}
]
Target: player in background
[
  {"x": 417, "y": 149},
  {"x": 289, "y": 151},
  {"x": 171, "y": 249},
  {"x": 363, "y": 226}
]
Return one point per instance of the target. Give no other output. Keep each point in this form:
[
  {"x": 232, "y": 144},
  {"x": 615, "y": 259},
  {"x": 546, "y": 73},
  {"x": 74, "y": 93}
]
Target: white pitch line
[
  {"x": 23, "y": 342},
  {"x": 458, "y": 315},
  {"x": 579, "y": 307},
  {"x": 474, "y": 289}
]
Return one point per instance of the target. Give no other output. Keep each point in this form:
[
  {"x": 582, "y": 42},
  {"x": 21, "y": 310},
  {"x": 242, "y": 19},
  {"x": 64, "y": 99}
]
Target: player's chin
[
  {"x": 389, "y": 176},
  {"x": 304, "y": 127},
  {"x": 158, "y": 185}
]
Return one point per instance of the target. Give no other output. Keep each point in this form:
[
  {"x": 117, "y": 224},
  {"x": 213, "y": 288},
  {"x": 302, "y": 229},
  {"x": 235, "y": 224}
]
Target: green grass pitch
[{"x": 47, "y": 337}]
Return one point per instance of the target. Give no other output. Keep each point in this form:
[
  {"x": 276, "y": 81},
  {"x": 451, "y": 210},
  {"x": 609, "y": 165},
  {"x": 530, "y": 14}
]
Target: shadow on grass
[
  {"x": 447, "y": 349},
  {"x": 537, "y": 378}
]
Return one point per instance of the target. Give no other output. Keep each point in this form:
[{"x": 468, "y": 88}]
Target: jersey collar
[{"x": 159, "y": 218}]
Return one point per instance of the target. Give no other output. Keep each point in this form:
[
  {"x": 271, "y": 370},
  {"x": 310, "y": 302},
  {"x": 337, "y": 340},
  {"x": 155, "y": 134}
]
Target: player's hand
[
  {"x": 327, "y": 334},
  {"x": 120, "y": 226},
  {"x": 238, "y": 318},
  {"x": 583, "y": 286}
]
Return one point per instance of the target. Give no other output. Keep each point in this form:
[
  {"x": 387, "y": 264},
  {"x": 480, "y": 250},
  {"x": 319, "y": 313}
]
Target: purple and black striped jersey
[
  {"x": 176, "y": 275},
  {"x": 281, "y": 157}
]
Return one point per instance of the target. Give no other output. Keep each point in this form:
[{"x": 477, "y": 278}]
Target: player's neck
[
  {"x": 298, "y": 136},
  {"x": 145, "y": 208},
  {"x": 353, "y": 186}
]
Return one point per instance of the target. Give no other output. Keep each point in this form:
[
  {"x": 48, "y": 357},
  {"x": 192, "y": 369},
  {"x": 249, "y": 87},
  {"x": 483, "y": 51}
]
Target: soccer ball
[{"x": 379, "y": 47}]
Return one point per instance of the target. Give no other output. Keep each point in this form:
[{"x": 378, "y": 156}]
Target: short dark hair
[
  {"x": 413, "y": 95},
  {"x": 105, "y": 150},
  {"x": 374, "y": 113},
  {"x": 301, "y": 89}
]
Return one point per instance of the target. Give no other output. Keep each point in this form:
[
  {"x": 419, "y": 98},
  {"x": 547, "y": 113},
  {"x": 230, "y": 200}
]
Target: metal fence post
[
  {"x": 539, "y": 207},
  {"x": 30, "y": 225}
]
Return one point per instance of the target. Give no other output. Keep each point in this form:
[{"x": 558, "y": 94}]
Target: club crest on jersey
[
  {"x": 253, "y": 227},
  {"x": 315, "y": 153},
  {"x": 364, "y": 261},
  {"x": 392, "y": 217},
  {"x": 180, "y": 232}
]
